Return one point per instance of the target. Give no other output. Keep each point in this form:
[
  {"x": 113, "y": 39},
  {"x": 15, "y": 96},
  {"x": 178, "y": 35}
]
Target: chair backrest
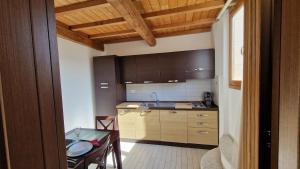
[
  {"x": 101, "y": 155},
  {"x": 105, "y": 122}
]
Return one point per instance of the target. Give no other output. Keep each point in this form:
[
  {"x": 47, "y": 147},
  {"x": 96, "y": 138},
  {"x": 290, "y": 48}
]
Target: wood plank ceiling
[{"x": 97, "y": 22}]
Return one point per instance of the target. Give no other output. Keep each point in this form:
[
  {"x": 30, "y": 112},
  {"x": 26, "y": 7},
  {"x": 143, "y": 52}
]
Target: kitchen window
[{"x": 236, "y": 47}]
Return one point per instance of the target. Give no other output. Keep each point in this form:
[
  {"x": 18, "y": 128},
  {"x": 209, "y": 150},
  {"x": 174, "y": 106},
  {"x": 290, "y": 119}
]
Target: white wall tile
[{"x": 192, "y": 90}]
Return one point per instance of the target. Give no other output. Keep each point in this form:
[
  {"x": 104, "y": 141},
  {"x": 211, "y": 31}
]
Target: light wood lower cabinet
[
  {"x": 148, "y": 125},
  {"x": 173, "y": 126},
  {"x": 127, "y": 123},
  {"x": 195, "y": 127},
  {"x": 203, "y": 136},
  {"x": 174, "y": 132},
  {"x": 173, "y": 116},
  {"x": 148, "y": 130}
]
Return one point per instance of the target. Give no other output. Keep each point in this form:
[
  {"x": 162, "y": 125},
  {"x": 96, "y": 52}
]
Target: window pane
[{"x": 237, "y": 44}]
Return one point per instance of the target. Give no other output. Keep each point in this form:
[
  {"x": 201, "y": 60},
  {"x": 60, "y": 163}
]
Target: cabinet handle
[
  {"x": 103, "y": 83},
  {"x": 172, "y": 81},
  {"x": 148, "y": 82},
  {"x": 144, "y": 113},
  {"x": 202, "y": 132},
  {"x": 173, "y": 112},
  {"x": 202, "y": 115},
  {"x": 104, "y": 87},
  {"x": 124, "y": 112},
  {"x": 128, "y": 82},
  {"x": 202, "y": 123}
]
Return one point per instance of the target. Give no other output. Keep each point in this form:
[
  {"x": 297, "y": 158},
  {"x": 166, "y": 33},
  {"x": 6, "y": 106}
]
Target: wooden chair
[
  {"x": 98, "y": 157},
  {"x": 107, "y": 123}
]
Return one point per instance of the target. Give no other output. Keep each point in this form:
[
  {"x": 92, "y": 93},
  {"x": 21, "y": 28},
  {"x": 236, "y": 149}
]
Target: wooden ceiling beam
[
  {"x": 157, "y": 35},
  {"x": 64, "y": 32},
  {"x": 79, "y": 6},
  {"x": 134, "y": 19},
  {"x": 169, "y": 12},
  {"x": 156, "y": 29}
]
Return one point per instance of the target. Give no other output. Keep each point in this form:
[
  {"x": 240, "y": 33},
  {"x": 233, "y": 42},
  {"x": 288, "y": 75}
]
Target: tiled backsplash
[{"x": 191, "y": 90}]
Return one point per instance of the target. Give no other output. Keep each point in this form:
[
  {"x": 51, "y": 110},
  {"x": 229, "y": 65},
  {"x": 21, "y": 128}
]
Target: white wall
[
  {"x": 229, "y": 100},
  {"x": 220, "y": 83},
  {"x": 77, "y": 83},
  {"x": 192, "y": 90},
  {"x": 168, "y": 44}
]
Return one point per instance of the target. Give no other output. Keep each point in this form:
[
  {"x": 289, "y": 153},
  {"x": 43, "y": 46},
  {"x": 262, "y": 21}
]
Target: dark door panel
[
  {"x": 128, "y": 69},
  {"x": 31, "y": 108},
  {"x": 200, "y": 74},
  {"x": 200, "y": 60},
  {"x": 148, "y": 76},
  {"x": 148, "y": 68},
  {"x": 172, "y": 76}
]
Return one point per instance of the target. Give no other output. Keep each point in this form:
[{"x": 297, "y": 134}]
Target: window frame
[{"x": 234, "y": 84}]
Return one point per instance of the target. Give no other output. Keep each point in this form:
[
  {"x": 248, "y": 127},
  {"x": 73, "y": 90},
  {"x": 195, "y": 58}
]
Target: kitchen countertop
[{"x": 165, "y": 105}]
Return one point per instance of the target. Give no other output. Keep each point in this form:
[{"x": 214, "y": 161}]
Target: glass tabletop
[{"x": 86, "y": 134}]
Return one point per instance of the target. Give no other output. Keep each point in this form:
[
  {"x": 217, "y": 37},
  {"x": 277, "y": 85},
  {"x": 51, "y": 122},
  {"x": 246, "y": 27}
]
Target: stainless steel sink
[{"x": 158, "y": 105}]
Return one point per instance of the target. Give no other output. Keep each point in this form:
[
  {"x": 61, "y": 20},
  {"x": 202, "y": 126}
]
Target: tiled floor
[{"x": 147, "y": 156}]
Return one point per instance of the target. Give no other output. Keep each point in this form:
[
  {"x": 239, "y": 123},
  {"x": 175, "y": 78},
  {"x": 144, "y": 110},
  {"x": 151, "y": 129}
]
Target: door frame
[{"x": 285, "y": 103}]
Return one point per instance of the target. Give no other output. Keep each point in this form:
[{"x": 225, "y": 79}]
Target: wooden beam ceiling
[
  {"x": 192, "y": 31},
  {"x": 185, "y": 24},
  {"x": 168, "y": 12},
  {"x": 64, "y": 32},
  {"x": 134, "y": 19},
  {"x": 79, "y": 6},
  {"x": 156, "y": 29}
]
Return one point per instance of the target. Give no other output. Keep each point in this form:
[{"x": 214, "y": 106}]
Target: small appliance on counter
[{"x": 208, "y": 99}]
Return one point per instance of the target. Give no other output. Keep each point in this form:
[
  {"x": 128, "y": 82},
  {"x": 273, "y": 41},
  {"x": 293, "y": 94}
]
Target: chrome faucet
[{"x": 155, "y": 96}]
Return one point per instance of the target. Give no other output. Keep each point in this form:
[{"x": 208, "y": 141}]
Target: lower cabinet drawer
[
  {"x": 127, "y": 129},
  {"x": 173, "y": 116},
  {"x": 174, "y": 132},
  {"x": 148, "y": 131},
  {"x": 203, "y": 115},
  {"x": 203, "y": 136},
  {"x": 203, "y": 123}
]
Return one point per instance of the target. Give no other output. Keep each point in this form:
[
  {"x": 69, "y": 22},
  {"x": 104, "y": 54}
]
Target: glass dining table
[{"x": 93, "y": 136}]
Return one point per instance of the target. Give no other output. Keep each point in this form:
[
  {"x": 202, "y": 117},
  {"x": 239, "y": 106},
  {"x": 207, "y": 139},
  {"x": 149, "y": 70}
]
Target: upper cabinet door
[
  {"x": 104, "y": 70},
  {"x": 200, "y": 64},
  {"x": 148, "y": 69},
  {"x": 128, "y": 69},
  {"x": 172, "y": 67}
]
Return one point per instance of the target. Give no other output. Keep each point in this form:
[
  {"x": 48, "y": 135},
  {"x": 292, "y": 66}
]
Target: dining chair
[{"x": 107, "y": 123}]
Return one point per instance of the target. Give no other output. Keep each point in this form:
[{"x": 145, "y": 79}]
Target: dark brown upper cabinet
[
  {"x": 109, "y": 91},
  {"x": 171, "y": 67},
  {"x": 200, "y": 64},
  {"x": 148, "y": 69},
  {"x": 128, "y": 69}
]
